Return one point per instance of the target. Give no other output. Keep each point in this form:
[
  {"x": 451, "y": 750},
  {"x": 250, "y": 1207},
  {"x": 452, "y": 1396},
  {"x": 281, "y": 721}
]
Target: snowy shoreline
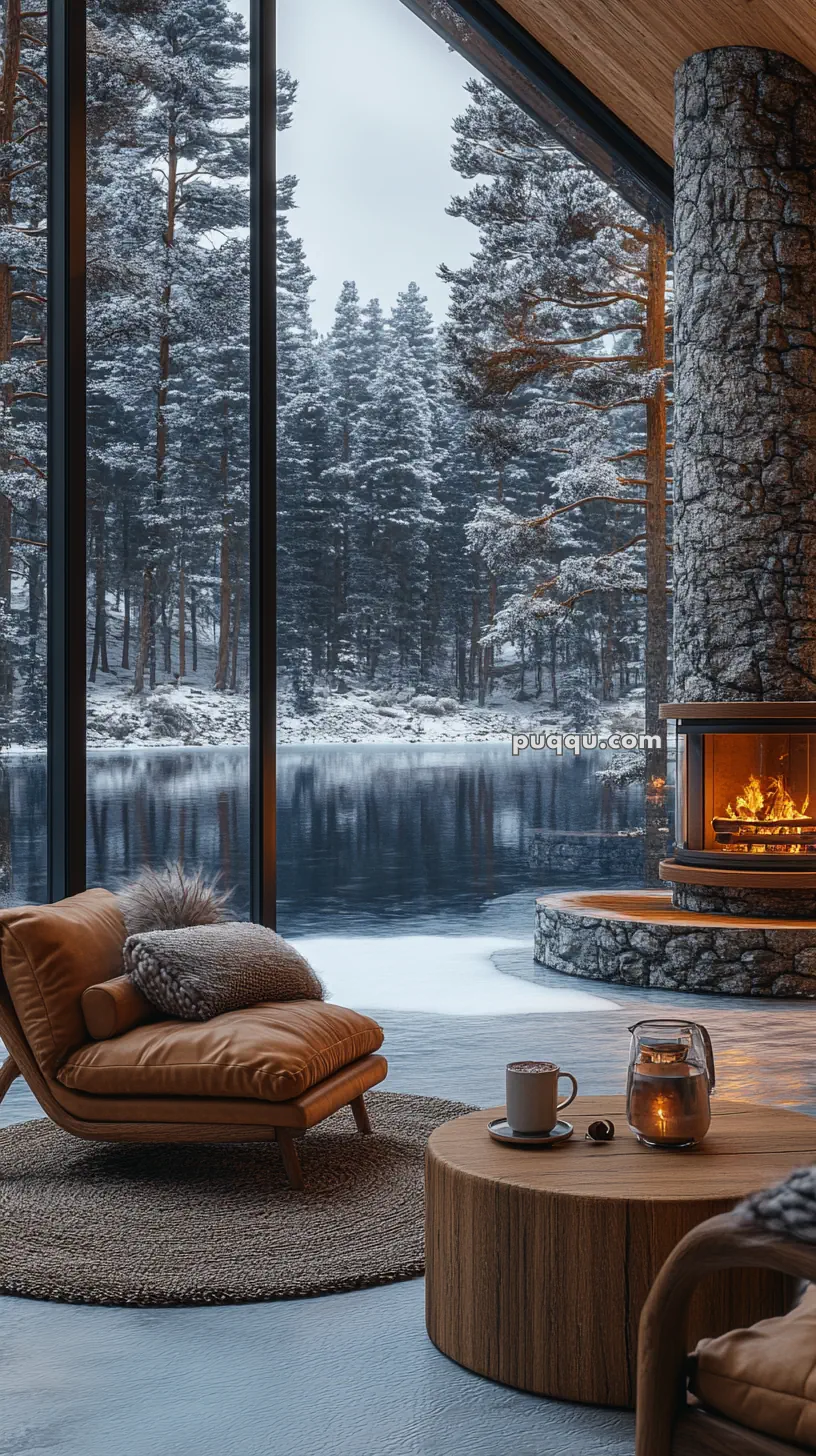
[{"x": 193, "y": 718}]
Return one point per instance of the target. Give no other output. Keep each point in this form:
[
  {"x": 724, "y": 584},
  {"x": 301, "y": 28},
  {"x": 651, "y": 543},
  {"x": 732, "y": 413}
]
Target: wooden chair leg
[
  {"x": 291, "y": 1161},
  {"x": 360, "y": 1111},
  {"x": 8, "y": 1074}
]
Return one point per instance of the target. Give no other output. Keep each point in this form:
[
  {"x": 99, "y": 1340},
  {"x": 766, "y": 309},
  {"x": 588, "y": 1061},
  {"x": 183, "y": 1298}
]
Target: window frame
[
  {"x": 516, "y": 54},
  {"x": 66, "y": 333}
]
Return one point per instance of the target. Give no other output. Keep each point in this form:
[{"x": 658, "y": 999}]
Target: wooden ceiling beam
[{"x": 626, "y": 51}]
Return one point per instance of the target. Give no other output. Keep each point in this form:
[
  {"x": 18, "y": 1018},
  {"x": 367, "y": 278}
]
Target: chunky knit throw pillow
[
  {"x": 199, "y": 972},
  {"x": 786, "y": 1208}
]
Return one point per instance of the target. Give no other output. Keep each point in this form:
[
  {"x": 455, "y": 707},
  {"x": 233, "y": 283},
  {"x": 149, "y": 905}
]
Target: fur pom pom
[{"x": 169, "y": 899}]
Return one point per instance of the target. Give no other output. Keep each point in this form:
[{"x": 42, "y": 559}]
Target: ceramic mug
[{"x": 532, "y": 1095}]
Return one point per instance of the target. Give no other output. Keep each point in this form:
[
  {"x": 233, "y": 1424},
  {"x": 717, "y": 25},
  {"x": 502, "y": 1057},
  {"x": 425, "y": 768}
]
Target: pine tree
[
  {"x": 411, "y": 322},
  {"x": 23, "y": 287},
  {"x": 394, "y": 505},
  {"x": 208, "y": 466},
  {"x": 295, "y": 356},
  {"x": 122, "y": 318},
  {"x": 193, "y": 137},
  {"x": 372, "y": 342},
  {"x": 346, "y": 362},
  {"x": 564, "y": 266},
  {"x": 309, "y": 434}
]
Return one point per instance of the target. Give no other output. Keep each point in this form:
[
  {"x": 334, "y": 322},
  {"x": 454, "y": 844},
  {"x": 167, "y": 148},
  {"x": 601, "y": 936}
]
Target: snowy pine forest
[
  {"x": 476, "y": 514},
  {"x": 167, "y": 375},
  {"x": 473, "y": 511}
]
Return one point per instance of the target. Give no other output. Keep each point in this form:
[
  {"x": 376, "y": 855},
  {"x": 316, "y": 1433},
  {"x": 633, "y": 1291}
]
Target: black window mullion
[
  {"x": 66, "y": 448},
  {"x": 263, "y": 539},
  {"x": 498, "y": 45}
]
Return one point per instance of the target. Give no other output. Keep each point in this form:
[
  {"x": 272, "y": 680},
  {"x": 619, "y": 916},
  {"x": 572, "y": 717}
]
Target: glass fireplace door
[{"x": 747, "y": 793}]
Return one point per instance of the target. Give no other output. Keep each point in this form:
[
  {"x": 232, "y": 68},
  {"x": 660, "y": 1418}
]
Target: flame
[{"x": 774, "y": 803}]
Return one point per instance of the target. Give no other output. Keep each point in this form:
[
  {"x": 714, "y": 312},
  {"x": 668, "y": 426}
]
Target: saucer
[{"x": 500, "y": 1129}]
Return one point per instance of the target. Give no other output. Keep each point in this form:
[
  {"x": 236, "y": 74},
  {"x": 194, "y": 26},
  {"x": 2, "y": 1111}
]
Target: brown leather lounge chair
[{"x": 259, "y": 1074}]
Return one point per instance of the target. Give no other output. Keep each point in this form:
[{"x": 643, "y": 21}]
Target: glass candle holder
[{"x": 671, "y": 1073}]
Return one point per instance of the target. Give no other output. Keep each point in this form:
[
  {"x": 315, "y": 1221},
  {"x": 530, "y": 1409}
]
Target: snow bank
[
  {"x": 358, "y": 717},
  {"x": 448, "y": 975},
  {"x": 186, "y": 717},
  {"x": 191, "y": 715}
]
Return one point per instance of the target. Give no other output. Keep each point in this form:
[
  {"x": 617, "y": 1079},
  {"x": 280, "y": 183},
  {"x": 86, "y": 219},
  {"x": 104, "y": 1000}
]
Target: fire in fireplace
[
  {"x": 746, "y": 788},
  {"x": 766, "y": 819}
]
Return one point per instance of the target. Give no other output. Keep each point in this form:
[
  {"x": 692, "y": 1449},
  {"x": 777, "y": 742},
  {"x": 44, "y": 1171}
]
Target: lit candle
[{"x": 669, "y": 1103}]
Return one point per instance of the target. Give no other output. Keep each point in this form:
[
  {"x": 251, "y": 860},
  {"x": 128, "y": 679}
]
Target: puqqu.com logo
[{"x": 578, "y": 743}]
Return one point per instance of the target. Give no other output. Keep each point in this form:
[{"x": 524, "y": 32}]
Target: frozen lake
[{"x": 394, "y": 839}]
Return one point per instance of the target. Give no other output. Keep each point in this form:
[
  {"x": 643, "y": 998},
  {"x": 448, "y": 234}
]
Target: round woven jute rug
[{"x": 152, "y": 1225}]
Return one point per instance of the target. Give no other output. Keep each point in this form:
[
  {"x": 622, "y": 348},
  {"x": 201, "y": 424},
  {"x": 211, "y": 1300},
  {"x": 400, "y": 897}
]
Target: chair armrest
[{"x": 724, "y": 1242}]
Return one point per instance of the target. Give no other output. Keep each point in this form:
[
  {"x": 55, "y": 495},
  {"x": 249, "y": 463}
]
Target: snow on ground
[
  {"x": 193, "y": 715},
  {"x": 358, "y": 717},
  {"x": 363, "y": 716},
  {"x": 447, "y": 975},
  {"x": 189, "y": 715}
]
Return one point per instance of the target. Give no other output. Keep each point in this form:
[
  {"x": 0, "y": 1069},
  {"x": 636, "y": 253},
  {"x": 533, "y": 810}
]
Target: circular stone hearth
[{"x": 638, "y": 938}]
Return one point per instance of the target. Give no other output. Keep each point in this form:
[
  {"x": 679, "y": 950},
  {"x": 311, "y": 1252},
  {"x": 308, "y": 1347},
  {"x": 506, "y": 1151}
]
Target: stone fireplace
[{"x": 742, "y": 915}]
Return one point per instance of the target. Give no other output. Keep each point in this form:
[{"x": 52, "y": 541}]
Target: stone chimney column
[{"x": 745, "y": 385}]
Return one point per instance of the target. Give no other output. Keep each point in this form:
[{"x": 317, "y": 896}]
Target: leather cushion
[
  {"x": 50, "y": 953},
  {"x": 764, "y": 1377},
  {"x": 272, "y": 1051},
  {"x": 298, "y": 1112},
  {"x": 115, "y": 1006}
]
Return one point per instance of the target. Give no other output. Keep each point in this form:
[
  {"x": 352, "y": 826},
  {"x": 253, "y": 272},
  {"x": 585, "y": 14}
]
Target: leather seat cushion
[
  {"x": 765, "y": 1377},
  {"x": 298, "y": 1112},
  {"x": 50, "y": 953},
  {"x": 272, "y": 1051}
]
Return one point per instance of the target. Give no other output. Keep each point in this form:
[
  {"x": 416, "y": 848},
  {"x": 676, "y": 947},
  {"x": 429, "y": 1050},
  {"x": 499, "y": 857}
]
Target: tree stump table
[{"x": 539, "y": 1261}]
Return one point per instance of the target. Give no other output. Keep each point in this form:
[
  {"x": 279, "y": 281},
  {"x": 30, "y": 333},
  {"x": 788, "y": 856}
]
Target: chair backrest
[{"x": 50, "y": 954}]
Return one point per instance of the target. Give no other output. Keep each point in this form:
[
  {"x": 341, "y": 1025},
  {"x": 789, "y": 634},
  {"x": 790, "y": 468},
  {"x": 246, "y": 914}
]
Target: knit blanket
[
  {"x": 201, "y": 971},
  {"x": 786, "y": 1208}
]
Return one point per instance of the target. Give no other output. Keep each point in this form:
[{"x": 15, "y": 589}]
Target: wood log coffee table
[{"x": 539, "y": 1261}]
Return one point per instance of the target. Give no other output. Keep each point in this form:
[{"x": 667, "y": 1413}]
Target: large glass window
[
  {"x": 467, "y": 481},
  {"x": 168, "y": 440},
  {"x": 23, "y": 451},
  {"x": 472, "y": 418}
]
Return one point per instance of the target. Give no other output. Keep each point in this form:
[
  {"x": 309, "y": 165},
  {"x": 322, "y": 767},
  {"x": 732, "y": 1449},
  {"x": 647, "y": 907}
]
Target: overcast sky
[{"x": 371, "y": 143}]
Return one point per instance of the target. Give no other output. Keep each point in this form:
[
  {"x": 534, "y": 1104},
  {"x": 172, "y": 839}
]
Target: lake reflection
[{"x": 369, "y": 836}]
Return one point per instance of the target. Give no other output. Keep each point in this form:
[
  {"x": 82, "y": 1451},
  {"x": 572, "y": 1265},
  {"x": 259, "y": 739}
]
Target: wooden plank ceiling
[{"x": 626, "y": 51}]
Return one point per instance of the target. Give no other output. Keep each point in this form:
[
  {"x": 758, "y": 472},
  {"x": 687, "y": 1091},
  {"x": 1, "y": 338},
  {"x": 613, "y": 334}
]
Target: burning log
[{"x": 737, "y": 823}]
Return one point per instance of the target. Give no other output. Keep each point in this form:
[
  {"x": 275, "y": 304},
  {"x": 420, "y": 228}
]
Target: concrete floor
[{"x": 355, "y": 1374}]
